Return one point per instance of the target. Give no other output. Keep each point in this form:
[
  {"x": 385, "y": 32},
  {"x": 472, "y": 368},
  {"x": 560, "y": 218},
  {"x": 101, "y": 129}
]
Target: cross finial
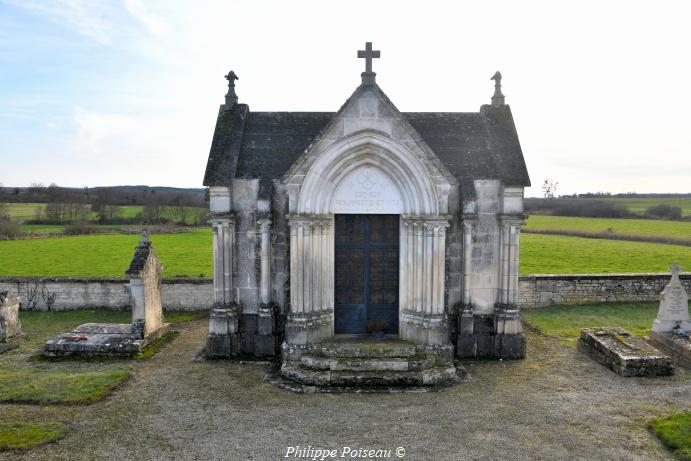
[
  {"x": 231, "y": 97},
  {"x": 498, "y": 98},
  {"x": 368, "y": 53}
]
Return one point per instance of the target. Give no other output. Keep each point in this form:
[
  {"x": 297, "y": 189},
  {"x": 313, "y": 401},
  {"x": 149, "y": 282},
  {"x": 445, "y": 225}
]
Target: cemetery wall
[
  {"x": 70, "y": 293},
  {"x": 66, "y": 293},
  {"x": 552, "y": 289}
]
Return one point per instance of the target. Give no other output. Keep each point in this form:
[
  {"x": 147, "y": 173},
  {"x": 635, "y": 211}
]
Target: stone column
[
  {"x": 265, "y": 278},
  {"x": 223, "y": 340},
  {"x": 422, "y": 261},
  {"x": 468, "y": 227},
  {"x": 311, "y": 279},
  {"x": 223, "y": 228},
  {"x": 509, "y": 341}
]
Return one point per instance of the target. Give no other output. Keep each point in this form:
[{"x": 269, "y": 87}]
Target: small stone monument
[
  {"x": 674, "y": 305},
  {"x": 9, "y": 318},
  {"x": 145, "y": 290},
  {"x": 115, "y": 339},
  {"x": 671, "y": 328}
]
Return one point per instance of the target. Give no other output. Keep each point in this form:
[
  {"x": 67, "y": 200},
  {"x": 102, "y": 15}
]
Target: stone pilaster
[
  {"x": 265, "y": 266},
  {"x": 310, "y": 317},
  {"x": 422, "y": 280},
  {"x": 509, "y": 342},
  {"x": 223, "y": 230}
]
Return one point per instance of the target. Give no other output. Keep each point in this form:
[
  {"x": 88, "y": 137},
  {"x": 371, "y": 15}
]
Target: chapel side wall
[
  {"x": 484, "y": 266},
  {"x": 280, "y": 247},
  {"x": 247, "y": 250}
]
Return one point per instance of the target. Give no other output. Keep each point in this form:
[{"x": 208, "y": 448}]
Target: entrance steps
[{"x": 362, "y": 364}]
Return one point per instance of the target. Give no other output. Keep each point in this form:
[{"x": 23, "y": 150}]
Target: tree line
[{"x": 104, "y": 205}]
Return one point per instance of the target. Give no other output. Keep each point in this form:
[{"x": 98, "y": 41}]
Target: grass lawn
[
  {"x": 638, "y": 227},
  {"x": 675, "y": 432},
  {"x": 182, "y": 254},
  {"x": 556, "y": 254},
  {"x": 65, "y": 382},
  {"x": 39, "y": 386},
  {"x": 41, "y": 228},
  {"x": 566, "y": 322},
  {"x": 18, "y": 435}
]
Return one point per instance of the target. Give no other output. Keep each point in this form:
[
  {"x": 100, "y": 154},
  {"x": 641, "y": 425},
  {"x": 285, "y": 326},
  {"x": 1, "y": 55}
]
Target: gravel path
[{"x": 555, "y": 405}]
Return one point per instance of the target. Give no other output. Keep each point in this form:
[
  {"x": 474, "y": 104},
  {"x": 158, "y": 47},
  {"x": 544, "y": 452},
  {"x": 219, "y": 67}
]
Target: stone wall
[
  {"x": 68, "y": 293},
  {"x": 197, "y": 294},
  {"x": 551, "y": 289}
]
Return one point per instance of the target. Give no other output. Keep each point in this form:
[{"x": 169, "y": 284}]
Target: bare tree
[
  {"x": 4, "y": 206},
  {"x": 549, "y": 188}
]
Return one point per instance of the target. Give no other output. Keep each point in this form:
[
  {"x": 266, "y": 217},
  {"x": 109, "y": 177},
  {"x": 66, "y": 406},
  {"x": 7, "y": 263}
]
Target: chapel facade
[{"x": 336, "y": 223}]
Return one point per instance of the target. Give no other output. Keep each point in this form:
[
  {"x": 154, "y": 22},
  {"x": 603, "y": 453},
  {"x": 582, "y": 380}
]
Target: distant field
[
  {"x": 639, "y": 205},
  {"x": 556, "y": 254},
  {"x": 27, "y": 211},
  {"x": 187, "y": 253},
  {"x": 640, "y": 227},
  {"x": 24, "y": 211}
]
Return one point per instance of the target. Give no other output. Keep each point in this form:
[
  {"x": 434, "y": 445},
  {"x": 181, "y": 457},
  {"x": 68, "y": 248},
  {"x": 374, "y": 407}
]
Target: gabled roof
[{"x": 263, "y": 145}]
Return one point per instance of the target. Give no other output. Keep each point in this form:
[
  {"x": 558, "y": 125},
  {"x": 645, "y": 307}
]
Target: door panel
[{"x": 366, "y": 272}]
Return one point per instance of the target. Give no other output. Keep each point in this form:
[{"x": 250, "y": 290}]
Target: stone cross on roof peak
[
  {"x": 368, "y": 54},
  {"x": 498, "y": 97}
]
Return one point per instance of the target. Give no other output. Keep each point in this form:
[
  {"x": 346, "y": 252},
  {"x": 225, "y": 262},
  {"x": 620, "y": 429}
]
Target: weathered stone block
[
  {"x": 9, "y": 316},
  {"x": 622, "y": 353}
]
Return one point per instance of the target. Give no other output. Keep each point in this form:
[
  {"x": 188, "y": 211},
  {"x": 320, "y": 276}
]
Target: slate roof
[{"x": 473, "y": 145}]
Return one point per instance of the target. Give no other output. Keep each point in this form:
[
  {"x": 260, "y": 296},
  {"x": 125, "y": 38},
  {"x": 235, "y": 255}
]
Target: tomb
[
  {"x": 671, "y": 328},
  {"x": 622, "y": 353},
  {"x": 122, "y": 340},
  {"x": 326, "y": 222}
]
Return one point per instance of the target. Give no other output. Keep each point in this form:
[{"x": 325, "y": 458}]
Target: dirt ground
[{"x": 555, "y": 405}]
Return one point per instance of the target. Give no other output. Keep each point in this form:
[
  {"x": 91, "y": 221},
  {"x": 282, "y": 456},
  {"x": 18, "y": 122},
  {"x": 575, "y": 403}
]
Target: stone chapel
[{"x": 329, "y": 224}]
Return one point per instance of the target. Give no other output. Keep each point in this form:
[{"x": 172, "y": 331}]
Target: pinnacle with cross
[
  {"x": 231, "y": 97},
  {"x": 368, "y": 54}
]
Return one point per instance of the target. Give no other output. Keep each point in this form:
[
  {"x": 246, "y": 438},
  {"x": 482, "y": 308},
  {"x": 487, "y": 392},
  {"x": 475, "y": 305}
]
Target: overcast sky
[{"x": 127, "y": 91}]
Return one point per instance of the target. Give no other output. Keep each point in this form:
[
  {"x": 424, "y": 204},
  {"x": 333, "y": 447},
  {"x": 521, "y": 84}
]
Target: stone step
[
  {"x": 434, "y": 376},
  {"x": 417, "y": 362},
  {"x": 365, "y": 349}
]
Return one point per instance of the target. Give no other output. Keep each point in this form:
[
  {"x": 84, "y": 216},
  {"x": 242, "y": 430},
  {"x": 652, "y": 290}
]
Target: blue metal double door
[{"x": 366, "y": 273}]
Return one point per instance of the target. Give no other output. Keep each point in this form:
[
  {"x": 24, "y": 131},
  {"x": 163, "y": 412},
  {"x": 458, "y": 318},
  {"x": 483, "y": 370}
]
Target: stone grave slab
[
  {"x": 622, "y": 353},
  {"x": 678, "y": 347},
  {"x": 116, "y": 339}
]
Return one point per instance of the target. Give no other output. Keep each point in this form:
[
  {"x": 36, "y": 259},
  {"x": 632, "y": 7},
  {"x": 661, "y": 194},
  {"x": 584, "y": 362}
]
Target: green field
[
  {"x": 27, "y": 211},
  {"x": 638, "y": 227},
  {"x": 639, "y": 205},
  {"x": 182, "y": 254},
  {"x": 23, "y": 211},
  {"x": 190, "y": 254},
  {"x": 556, "y": 254}
]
